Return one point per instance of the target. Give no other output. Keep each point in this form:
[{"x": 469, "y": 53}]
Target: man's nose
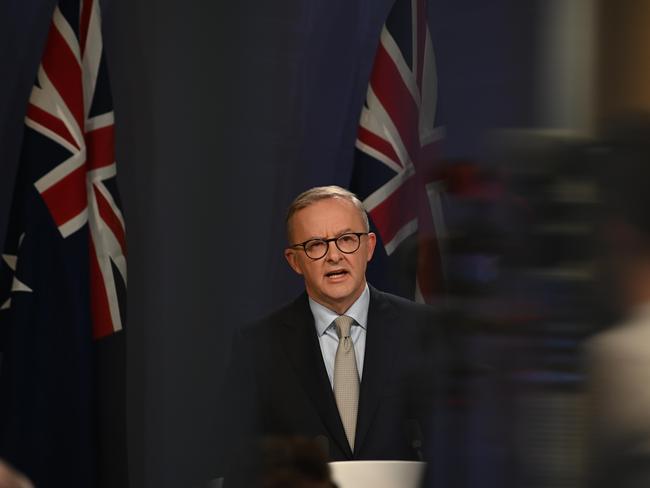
[{"x": 333, "y": 253}]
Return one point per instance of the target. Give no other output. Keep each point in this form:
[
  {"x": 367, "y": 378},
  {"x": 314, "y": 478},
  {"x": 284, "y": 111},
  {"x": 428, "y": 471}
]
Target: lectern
[{"x": 377, "y": 474}]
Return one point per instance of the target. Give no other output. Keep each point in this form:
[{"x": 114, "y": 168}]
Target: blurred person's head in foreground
[
  {"x": 292, "y": 462},
  {"x": 10, "y": 478}
]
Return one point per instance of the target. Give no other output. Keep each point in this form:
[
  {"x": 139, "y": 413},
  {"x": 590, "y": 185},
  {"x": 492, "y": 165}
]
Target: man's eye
[
  {"x": 314, "y": 246},
  {"x": 347, "y": 238}
]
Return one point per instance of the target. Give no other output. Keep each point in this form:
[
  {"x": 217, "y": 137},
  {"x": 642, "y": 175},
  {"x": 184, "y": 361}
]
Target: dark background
[{"x": 224, "y": 112}]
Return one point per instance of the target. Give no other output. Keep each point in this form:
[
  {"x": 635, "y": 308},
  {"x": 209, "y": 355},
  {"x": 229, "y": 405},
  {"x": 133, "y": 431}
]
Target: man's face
[{"x": 337, "y": 279}]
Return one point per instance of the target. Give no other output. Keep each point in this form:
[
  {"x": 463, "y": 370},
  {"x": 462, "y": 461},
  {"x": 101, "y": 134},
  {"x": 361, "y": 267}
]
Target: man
[
  {"x": 618, "y": 359},
  {"x": 344, "y": 364}
]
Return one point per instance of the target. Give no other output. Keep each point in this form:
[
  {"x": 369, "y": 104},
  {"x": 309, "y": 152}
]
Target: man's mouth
[{"x": 337, "y": 273}]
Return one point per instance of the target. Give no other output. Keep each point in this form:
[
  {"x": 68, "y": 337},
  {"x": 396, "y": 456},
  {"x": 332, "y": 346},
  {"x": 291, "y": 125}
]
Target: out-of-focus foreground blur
[{"x": 547, "y": 267}]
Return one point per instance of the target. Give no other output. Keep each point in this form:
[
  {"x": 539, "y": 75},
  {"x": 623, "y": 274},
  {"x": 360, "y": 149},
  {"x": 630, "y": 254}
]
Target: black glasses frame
[{"x": 327, "y": 244}]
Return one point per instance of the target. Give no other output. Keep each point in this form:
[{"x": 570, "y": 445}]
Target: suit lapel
[
  {"x": 305, "y": 355},
  {"x": 378, "y": 362}
]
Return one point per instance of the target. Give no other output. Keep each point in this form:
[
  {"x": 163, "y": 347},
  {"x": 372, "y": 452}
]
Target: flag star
[
  {"x": 16, "y": 284},
  {"x": 11, "y": 260}
]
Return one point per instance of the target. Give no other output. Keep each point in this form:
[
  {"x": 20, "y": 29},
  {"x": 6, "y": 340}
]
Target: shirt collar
[{"x": 323, "y": 316}]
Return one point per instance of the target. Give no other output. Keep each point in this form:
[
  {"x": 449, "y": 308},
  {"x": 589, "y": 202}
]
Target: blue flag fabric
[
  {"x": 395, "y": 171},
  {"x": 46, "y": 341},
  {"x": 63, "y": 269}
]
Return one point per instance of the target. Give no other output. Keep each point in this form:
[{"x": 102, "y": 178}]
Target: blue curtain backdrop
[
  {"x": 23, "y": 30},
  {"x": 224, "y": 112}
]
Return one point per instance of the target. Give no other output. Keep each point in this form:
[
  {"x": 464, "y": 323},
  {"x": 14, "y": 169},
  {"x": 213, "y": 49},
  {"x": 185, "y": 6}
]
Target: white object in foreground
[{"x": 377, "y": 474}]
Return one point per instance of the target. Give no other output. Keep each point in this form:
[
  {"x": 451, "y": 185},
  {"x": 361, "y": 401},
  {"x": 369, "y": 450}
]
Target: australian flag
[
  {"x": 396, "y": 148},
  {"x": 63, "y": 271}
]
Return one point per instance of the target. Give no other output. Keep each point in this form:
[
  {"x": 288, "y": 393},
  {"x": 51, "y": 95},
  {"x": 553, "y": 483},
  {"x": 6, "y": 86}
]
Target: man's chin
[
  {"x": 343, "y": 295},
  {"x": 338, "y": 291}
]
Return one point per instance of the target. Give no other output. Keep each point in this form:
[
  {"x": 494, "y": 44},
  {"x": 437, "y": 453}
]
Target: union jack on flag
[
  {"x": 63, "y": 267},
  {"x": 394, "y": 171},
  {"x": 71, "y": 105}
]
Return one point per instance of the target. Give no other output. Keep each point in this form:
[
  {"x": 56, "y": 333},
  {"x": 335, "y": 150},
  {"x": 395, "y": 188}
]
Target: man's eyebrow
[{"x": 338, "y": 234}]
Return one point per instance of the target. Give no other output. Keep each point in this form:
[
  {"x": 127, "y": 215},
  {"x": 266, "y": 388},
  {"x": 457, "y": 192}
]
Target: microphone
[{"x": 414, "y": 433}]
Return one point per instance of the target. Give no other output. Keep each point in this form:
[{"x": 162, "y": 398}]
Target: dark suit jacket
[{"x": 278, "y": 385}]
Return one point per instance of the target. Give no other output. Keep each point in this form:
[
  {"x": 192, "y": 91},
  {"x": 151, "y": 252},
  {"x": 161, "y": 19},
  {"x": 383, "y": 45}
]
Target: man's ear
[
  {"x": 292, "y": 259},
  {"x": 372, "y": 242}
]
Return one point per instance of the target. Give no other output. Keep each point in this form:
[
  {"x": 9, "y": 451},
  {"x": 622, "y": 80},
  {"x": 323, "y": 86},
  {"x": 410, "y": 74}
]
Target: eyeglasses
[{"x": 347, "y": 243}]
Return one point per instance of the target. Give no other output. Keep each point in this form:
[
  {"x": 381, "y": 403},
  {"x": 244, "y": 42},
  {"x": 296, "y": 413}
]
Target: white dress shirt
[{"x": 326, "y": 330}]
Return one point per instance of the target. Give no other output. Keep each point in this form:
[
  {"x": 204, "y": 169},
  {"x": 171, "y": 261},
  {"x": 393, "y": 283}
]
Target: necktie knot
[{"x": 343, "y": 325}]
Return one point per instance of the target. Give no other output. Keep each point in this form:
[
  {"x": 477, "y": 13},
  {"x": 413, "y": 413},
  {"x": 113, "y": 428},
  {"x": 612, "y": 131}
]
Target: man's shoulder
[
  {"x": 386, "y": 299},
  {"x": 290, "y": 312},
  {"x": 418, "y": 318}
]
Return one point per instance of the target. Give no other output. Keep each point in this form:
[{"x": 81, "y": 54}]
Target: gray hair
[{"x": 313, "y": 195}]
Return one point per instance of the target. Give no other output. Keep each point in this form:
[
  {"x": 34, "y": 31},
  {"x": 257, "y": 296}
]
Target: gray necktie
[{"x": 346, "y": 378}]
